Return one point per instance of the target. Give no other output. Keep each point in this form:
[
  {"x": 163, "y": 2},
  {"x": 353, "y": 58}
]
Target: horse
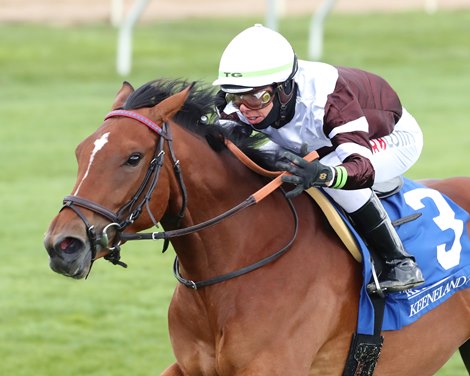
[{"x": 157, "y": 157}]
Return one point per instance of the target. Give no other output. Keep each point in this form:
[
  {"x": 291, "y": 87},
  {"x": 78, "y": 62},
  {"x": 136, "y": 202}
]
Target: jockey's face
[
  {"x": 254, "y": 105},
  {"x": 255, "y": 116}
]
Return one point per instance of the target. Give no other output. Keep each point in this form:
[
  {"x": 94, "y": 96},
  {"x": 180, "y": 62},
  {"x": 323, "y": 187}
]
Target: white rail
[
  {"x": 315, "y": 44},
  {"x": 124, "y": 53}
]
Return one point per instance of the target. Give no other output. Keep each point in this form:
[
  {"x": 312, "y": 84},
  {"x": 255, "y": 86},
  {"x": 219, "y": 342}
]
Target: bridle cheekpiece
[{"x": 135, "y": 205}]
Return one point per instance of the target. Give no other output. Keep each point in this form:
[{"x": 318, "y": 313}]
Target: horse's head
[{"x": 118, "y": 169}]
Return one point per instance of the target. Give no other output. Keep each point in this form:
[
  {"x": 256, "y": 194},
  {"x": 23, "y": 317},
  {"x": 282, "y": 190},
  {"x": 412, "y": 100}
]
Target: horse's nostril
[{"x": 69, "y": 245}]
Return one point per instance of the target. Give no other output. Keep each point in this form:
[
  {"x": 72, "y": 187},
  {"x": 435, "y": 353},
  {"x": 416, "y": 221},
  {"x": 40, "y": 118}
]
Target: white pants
[{"x": 392, "y": 156}]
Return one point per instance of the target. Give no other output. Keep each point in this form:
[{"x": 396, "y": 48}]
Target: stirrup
[
  {"x": 374, "y": 287},
  {"x": 394, "y": 284}
]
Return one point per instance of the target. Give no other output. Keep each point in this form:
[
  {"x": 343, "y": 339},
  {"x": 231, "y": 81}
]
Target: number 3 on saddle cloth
[{"x": 438, "y": 239}]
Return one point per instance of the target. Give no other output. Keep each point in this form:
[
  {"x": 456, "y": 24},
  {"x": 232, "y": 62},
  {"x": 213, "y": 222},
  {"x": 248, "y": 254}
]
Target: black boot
[{"x": 373, "y": 224}]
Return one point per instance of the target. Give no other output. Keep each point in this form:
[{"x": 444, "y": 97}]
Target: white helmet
[{"x": 256, "y": 57}]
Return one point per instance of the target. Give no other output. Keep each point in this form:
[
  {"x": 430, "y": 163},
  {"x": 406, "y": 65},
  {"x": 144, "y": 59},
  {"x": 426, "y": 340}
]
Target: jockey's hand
[{"x": 304, "y": 174}]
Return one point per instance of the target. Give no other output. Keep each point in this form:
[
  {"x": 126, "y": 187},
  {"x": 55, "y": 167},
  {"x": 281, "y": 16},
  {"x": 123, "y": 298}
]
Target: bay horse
[{"x": 295, "y": 315}]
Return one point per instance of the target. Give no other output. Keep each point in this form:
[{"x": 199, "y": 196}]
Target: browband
[{"x": 140, "y": 118}]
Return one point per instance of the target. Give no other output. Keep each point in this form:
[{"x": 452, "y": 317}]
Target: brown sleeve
[
  {"x": 379, "y": 102},
  {"x": 368, "y": 101}
]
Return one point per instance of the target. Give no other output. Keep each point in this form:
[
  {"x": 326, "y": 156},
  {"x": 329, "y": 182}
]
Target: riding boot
[{"x": 401, "y": 271}]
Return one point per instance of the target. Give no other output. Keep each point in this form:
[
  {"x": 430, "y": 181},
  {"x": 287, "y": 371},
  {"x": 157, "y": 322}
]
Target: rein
[
  {"x": 135, "y": 208},
  {"x": 211, "y": 281}
]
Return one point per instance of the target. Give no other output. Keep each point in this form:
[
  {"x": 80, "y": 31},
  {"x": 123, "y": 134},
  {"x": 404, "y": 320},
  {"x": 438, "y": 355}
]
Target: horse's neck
[{"x": 215, "y": 183}]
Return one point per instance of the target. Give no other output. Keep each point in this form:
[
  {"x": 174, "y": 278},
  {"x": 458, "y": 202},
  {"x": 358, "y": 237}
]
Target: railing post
[
  {"x": 124, "y": 53},
  {"x": 272, "y": 11},
  {"x": 315, "y": 47},
  {"x": 117, "y": 12}
]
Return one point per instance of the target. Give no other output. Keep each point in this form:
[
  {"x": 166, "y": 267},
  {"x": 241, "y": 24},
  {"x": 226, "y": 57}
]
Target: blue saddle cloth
[{"x": 439, "y": 241}]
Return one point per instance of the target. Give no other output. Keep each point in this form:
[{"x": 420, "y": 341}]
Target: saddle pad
[
  {"x": 336, "y": 221},
  {"x": 439, "y": 241}
]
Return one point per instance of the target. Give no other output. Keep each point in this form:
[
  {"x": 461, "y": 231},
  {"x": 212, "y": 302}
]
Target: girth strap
[{"x": 365, "y": 349}]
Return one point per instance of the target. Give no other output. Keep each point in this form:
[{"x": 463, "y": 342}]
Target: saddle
[{"x": 337, "y": 222}]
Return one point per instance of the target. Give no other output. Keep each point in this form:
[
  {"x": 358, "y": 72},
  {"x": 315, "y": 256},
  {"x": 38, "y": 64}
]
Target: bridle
[
  {"x": 129, "y": 213},
  {"x": 140, "y": 200}
]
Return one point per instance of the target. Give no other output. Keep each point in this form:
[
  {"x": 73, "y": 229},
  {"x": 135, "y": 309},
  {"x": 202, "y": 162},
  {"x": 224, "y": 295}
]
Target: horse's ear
[
  {"x": 168, "y": 108},
  {"x": 122, "y": 95}
]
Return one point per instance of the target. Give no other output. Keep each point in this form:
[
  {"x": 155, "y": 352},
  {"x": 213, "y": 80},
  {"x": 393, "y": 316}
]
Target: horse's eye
[{"x": 134, "y": 159}]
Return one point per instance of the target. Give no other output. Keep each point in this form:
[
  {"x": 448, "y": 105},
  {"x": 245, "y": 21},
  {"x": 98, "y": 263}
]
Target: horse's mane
[{"x": 199, "y": 116}]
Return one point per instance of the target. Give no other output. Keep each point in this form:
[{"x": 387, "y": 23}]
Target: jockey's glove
[{"x": 306, "y": 174}]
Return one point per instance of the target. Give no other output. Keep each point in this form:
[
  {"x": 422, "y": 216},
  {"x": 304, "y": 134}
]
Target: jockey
[{"x": 354, "y": 120}]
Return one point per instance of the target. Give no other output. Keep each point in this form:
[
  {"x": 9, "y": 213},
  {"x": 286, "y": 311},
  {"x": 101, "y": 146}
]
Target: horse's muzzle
[{"x": 70, "y": 256}]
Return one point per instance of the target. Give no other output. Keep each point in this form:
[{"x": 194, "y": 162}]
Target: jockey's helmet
[{"x": 256, "y": 57}]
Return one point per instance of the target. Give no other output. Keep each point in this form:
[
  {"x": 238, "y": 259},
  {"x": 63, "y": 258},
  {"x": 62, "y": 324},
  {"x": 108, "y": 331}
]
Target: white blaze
[{"x": 99, "y": 143}]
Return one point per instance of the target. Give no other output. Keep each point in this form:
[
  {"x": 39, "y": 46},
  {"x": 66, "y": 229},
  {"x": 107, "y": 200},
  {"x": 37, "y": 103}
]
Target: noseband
[{"x": 134, "y": 207}]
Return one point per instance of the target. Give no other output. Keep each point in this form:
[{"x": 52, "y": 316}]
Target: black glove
[{"x": 304, "y": 174}]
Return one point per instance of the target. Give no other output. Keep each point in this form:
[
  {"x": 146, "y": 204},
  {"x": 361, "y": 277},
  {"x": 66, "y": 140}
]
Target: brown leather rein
[{"x": 145, "y": 191}]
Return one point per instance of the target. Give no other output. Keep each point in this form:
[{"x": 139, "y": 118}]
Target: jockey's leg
[
  {"x": 392, "y": 156},
  {"x": 373, "y": 224}
]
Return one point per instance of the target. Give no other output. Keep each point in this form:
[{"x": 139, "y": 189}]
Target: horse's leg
[
  {"x": 465, "y": 354},
  {"x": 173, "y": 370}
]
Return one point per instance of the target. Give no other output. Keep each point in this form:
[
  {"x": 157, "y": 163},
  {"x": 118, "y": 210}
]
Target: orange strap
[
  {"x": 242, "y": 157},
  {"x": 331, "y": 214},
  {"x": 276, "y": 182}
]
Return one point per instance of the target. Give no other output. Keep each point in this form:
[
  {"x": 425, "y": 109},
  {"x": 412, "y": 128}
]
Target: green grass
[{"x": 56, "y": 85}]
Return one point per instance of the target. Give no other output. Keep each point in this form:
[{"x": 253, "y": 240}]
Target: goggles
[{"x": 254, "y": 100}]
